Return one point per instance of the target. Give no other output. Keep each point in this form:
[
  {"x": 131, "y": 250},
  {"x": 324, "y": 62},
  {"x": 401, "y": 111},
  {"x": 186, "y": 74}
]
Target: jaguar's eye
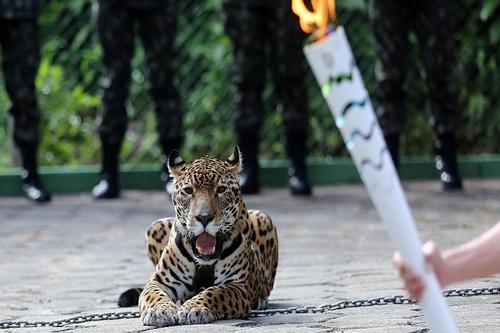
[
  {"x": 221, "y": 189},
  {"x": 188, "y": 190}
]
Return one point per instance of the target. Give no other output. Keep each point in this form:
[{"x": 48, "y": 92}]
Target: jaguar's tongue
[{"x": 205, "y": 243}]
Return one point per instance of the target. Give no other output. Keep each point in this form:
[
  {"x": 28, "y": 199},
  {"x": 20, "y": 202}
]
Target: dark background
[{"x": 69, "y": 95}]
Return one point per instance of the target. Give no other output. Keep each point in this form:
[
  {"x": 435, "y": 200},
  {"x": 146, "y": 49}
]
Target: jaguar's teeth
[{"x": 205, "y": 252}]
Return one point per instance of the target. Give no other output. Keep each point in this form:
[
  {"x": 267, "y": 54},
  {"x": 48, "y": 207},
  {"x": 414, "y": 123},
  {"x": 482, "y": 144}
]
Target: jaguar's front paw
[
  {"x": 159, "y": 317},
  {"x": 195, "y": 315}
]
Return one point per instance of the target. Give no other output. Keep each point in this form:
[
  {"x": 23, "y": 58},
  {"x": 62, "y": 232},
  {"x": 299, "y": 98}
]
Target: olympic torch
[{"x": 330, "y": 57}]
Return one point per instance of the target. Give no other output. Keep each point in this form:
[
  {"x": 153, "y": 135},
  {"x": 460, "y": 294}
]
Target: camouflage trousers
[
  {"x": 20, "y": 59},
  {"x": 432, "y": 22},
  {"x": 267, "y": 37},
  {"x": 116, "y": 30}
]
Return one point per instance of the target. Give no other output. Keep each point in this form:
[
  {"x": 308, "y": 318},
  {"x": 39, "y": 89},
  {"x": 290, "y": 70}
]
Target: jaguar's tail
[{"x": 129, "y": 297}]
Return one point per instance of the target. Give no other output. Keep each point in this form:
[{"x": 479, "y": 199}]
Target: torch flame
[{"x": 318, "y": 18}]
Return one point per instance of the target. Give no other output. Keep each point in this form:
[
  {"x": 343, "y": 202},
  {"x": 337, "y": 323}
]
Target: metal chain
[
  {"x": 69, "y": 321},
  {"x": 466, "y": 292}
]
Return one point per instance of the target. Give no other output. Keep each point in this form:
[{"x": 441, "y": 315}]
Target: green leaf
[
  {"x": 488, "y": 8},
  {"x": 494, "y": 33}
]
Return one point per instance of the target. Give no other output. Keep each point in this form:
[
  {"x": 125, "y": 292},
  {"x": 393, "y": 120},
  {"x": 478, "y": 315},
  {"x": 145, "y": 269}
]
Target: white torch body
[{"x": 334, "y": 67}]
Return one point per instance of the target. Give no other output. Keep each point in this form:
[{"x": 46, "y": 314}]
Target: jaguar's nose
[{"x": 204, "y": 219}]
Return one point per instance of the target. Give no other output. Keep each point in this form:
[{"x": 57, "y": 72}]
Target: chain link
[
  {"x": 335, "y": 306},
  {"x": 69, "y": 321},
  {"x": 465, "y": 292}
]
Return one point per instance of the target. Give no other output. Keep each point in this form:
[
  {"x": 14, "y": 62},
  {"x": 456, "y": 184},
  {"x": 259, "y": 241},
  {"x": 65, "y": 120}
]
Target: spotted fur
[{"x": 187, "y": 288}]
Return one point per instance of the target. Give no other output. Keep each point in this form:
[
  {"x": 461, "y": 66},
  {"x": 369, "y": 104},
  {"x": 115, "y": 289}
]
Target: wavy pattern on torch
[
  {"x": 387, "y": 185},
  {"x": 342, "y": 77},
  {"x": 351, "y": 104},
  {"x": 359, "y": 133},
  {"x": 373, "y": 164}
]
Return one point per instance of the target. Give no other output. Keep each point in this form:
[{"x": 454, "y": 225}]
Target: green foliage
[
  {"x": 69, "y": 124},
  {"x": 479, "y": 77},
  {"x": 204, "y": 61},
  {"x": 70, "y": 71},
  {"x": 5, "y": 158}
]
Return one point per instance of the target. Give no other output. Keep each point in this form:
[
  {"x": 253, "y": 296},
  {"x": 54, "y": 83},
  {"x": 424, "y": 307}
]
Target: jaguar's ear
[
  {"x": 175, "y": 162},
  {"x": 235, "y": 161}
]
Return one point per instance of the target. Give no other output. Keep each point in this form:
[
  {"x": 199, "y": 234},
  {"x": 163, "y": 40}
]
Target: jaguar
[{"x": 215, "y": 259}]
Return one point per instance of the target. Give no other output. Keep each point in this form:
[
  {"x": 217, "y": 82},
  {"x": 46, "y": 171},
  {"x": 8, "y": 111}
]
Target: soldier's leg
[
  {"x": 158, "y": 31},
  {"x": 115, "y": 28},
  {"x": 288, "y": 75},
  {"x": 246, "y": 27},
  {"x": 21, "y": 57},
  {"x": 390, "y": 20},
  {"x": 434, "y": 24}
]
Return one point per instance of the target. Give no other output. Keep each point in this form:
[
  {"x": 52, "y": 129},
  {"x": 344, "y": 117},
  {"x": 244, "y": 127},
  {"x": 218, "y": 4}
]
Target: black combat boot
[
  {"x": 392, "y": 141},
  {"x": 32, "y": 185},
  {"x": 249, "y": 175},
  {"x": 108, "y": 186},
  {"x": 446, "y": 162},
  {"x": 296, "y": 150}
]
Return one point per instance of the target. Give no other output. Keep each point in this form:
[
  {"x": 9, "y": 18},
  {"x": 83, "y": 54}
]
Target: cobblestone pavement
[{"x": 75, "y": 256}]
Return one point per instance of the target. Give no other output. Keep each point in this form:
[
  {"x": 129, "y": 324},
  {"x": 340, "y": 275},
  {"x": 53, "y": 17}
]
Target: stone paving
[{"x": 75, "y": 256}]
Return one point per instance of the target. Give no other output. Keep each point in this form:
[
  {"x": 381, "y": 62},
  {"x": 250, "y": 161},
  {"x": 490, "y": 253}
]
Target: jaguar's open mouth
[{"x": 206, "y": 246}]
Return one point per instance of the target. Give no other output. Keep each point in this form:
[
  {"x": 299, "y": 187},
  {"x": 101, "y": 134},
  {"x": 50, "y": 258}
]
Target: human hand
[{"x": 413, "y": 281}]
